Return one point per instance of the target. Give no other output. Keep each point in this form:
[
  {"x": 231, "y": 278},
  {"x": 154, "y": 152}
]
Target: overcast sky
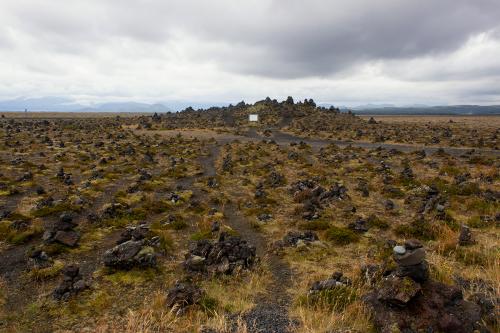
[{"x": 344, "y": 52}]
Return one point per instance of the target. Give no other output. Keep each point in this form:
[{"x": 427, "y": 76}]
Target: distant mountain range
[
  {"x": 432, "y": 110},
  {"x": 62, "y": 104}
]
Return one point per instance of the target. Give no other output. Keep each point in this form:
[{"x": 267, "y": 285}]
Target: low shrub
[
  {"x": 334, "y": 299},
  {"x": 341, "y": 236}
]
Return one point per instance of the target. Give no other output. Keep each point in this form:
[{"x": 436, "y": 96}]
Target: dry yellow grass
[{"x": 492, "y": 121}]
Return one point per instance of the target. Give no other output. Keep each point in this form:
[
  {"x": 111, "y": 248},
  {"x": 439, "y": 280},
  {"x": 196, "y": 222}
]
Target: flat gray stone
[{"x": 398, "y": 249}]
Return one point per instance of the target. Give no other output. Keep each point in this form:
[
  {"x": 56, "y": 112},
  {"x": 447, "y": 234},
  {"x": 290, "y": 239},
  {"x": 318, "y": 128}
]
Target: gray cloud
[{"x": 189, "y": 47}]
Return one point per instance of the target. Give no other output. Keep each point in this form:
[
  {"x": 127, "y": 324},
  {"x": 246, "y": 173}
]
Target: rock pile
[
  {"x": 336, "y": 280},
  {"x": 225, "y": 256},
  {"x": 359, "y": 225},
  {"x": 39, "y": 259},
  {"x": 465, "y": 237},
  {"x": 112, "y": 210},
  {"x": 275, "y": 179},
  {"x": 411, "y": 261},
  {"x": 183, "y": 294},
  {"x": 407, "y": 301},
  {"x": 64, "y": 177},
  {"x": 71, "y": 285},
  {"x": 294, "y": 238},
  {"x": 313, "y": 195},
  {"x": 62, "y": 232},
  {"x": 134, "y": 232},
  {"x": 130, "y": 254}
]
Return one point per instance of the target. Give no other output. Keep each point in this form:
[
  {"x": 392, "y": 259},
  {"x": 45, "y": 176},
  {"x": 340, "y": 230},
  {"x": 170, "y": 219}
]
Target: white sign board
[{"x": 253, "y": 117}]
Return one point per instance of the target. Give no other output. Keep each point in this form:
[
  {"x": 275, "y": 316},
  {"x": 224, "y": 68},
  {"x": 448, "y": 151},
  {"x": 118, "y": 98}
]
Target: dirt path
[
  {"x": 270, "y": 315},
  {"x": 283, "y": 138}
]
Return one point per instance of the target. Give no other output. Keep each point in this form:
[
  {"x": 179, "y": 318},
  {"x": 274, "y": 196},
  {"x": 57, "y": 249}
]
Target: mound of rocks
[
  {"x": 411, "y": 261},
  {"x": 407, "y": 301},
  {"x": 182, "y": 295},
  {"x": 112, "y": 210},
  {"x": 465, "y": 238},
  {"x": 313, "y": 195},
  {"x": 72, "y": 283},
  {"x": 309, "y": 189},
  {"x": 225, "y": 256},
  {"x": 134, "y": 232},
  {"x": 39, "y": 259},
  {"x": 130, "y": 254},
  {"x": 336, "y": 280},
  {"x": 294, "y": 238},
  {"x": 62, "y": 232}
]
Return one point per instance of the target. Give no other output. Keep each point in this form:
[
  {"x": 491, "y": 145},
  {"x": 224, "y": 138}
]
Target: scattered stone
[
  {"x": 398, "y": 291},
  {"x": 39, "y": 259},
  {"x": 225, "y": 256},
  {"x": 275, "y": 179},
  {"x": 465, "y": 237},
  {"x": 264, "y": 217},
  {"x": 292, "y": 238},
  {"x": 407, "y": 173},
  {"x": 72, "y": 283},
  {"x": 389, "y": 204},
  {"x": 359, "y": 225},
  {"x": 182, "y": 295},
  {"x": 134, "y": 232},
  {"x": 403, "y": 305},
  {"x": 62, "y": 231},
  {"x": 130, "y": 254},
  {"x": 215, "y": 227},
  {"x": 336, "y": 280},
  {"x": 68, "y": 238}
]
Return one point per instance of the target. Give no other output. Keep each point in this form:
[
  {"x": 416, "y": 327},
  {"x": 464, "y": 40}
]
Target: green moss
[
  {"x": 470, "y": 256},
  {"x": 335, "y": 299},
  {"x": 63, "y": 207},
  {"x": 166, "y": 240},
  {"x": 40, "y": 274},
  {"x": 55, "y": 248},
  {"x": 19, "y": 237},
  {"x": 477, "y": 222},
  {"x": 482, "y": 206},
  {"x": 420, "y": 230},
  {"x": 4, "y": 229},
  {"x": 465, "y": 189},
  {"x": 481, "y": 160},
  {"x": 375, "y": 221},
  {"x": 341, "y": 236},
  {"x": 156, "y": 207},
  {"x": 201, "y": 235},
  {"x": 314, "y": 225},
  {"x": 131, "y": 277},
  {"x": 209, "y": 305},
  {"x": 450, "y": 170},
  {"x": 178, "y": 225}
]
